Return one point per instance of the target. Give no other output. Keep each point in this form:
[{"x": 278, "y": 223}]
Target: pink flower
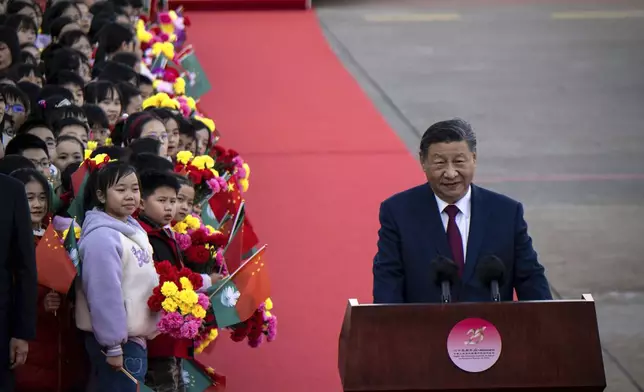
[
  {"x": 184, "y": 241},
  {"x": 190, "y": 328},
  {"x": 216, "y": 184},
  {"x": 203, "y": 301},
  {"x": 271, "y": 332},
  {"x": 170, "y": 323},
  {"x": 165, "y": 18}
]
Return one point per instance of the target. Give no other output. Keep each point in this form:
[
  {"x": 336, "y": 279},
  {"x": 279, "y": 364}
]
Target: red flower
[
  {"x": 218, "y": 150},
  {"x": 210, "y": 318},
  {"x": 199, "y": 237},
  {"x": 195, "y": 176},
  {"x": 196, "y": 280},
  {"x": 218, "y": 239},
  {"x": 164, "y": 267},
  {"x": 198, "y": 254},
  {"x": 207, "y": 174},
  {"x": 154, "y": 303}
]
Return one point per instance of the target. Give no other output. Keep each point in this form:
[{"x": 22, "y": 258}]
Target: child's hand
[
  {"x": 52, "y": 301},
  {"x": 115, "y": 362},
  {"x": 216, "y": 278}
]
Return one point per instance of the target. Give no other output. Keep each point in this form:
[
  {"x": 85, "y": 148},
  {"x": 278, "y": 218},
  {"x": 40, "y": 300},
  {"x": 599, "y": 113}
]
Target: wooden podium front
[{"x": 542, "y": 346}]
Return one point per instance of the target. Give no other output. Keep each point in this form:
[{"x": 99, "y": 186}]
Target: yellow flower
[
  {"x": 192, "y": 222},
  {"x": 65, "y": 232},
  {"x": 100, "y": 158},
  {"x": 214, "y": 172},
  {"x": 92, "y": 145},
  {"x": 203, "y": 161},
  {"x": 184, "y": 157},
  {"x": 185, "y": 283},
  {"x": 267, "y": 313},
  {"x": 169, "y": 289},
  {"x": 188, "y": 297},
  {"x": 185, "y": 309},
  {"x": 198, "y": 312},
  {"x": 211, "y": 230},
  {"x": 108, "y": 141},
  {"x": 169, "y": 305},
  {"x": 165, "y": 48},
  {"x": 141, "y": 33},
  {"x": 199, "y": 162},
  {"x": 207, "y": 122},
  {"x": 173, "y": 15},
  {"x": 179, "y": 86},
  {"x": 210, "y": 162},
  {"x": 77, "y": 232},
  {"x": 213, "y": 333},
  {"x": 192, "y": 104},
  {"x": 181, "y": 228},
  {"x": 268, "y": 304},
  {"x": 243, "y": 185},
  {"x": 247, "y": 168},
  {"x": 168, "y": 29},
  {"x": 88, "y": 154}
]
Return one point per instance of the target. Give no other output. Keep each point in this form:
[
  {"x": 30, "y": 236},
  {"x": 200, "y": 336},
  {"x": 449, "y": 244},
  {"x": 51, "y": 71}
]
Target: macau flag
[
  {"x": 71, "y": 246},
  {"x": 197, "y": 377},
  {"x": 237, "y": 297}
]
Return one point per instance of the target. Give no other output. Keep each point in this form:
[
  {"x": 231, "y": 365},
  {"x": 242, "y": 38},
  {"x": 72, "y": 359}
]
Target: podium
[{"x": 505, "y": 347}]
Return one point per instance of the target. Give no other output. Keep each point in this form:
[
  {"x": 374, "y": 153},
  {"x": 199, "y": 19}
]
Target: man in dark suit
[
  {"x": 451, "y": 217},
  {"x": 18, "y": 281}
]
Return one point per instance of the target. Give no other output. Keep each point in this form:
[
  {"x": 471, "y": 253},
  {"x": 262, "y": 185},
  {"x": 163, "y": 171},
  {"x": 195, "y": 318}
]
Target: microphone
[
  {"x": 491, "y": 272},
  {"x": 445, "y": 274}
]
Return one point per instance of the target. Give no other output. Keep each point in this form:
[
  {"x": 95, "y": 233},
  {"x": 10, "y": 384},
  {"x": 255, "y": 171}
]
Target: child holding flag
[
  {"x": 56, "y": 356},
  {"x": 158, "y": 208},
  {"x": 118, "y": 277}
]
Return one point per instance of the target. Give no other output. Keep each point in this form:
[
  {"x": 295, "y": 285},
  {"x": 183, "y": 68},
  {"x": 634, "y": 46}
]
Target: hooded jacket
[{"x": 118, "y": 277}]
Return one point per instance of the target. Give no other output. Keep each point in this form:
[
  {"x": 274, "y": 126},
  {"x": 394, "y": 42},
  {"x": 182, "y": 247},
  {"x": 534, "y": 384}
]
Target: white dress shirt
[{"x": 462, "y": 218}]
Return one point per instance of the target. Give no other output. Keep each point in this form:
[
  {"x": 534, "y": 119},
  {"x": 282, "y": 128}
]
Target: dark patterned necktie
[{"x": 454, "y": 238}]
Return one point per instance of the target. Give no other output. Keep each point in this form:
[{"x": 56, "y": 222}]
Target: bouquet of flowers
[
  {"x": 200, "y": 170},
  {"x": 182, "y": 309},
  {"x": 228, "y": 160},
  {"x": 202, "y": 246},
  {"x": 261, "y": 324}
]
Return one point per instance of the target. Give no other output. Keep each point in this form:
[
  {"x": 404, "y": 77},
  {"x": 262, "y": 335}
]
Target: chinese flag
[
  {"x": 233, "y": 252},
  {"x": 253, "y": 284},
  {"x": 55, "y": 268},
  {"x": 226, "y": 201},
  {"x": 249, "y": 238}
]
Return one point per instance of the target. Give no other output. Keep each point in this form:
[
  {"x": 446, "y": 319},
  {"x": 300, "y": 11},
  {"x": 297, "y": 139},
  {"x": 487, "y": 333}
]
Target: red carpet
[
  {"x": 322, "y": 159},
  {"x": 210, "y": 5}
]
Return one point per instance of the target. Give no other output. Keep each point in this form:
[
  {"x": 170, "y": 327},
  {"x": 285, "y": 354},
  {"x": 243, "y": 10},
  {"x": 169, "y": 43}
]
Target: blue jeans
[{"x": 103, "y": 378}]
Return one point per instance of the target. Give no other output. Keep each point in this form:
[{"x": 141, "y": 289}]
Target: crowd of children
[{"x": 73, "y": 86}]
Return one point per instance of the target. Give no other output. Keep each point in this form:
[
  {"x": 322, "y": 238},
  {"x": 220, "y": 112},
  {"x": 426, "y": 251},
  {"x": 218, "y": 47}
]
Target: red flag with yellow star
[
  {"x": 226, "y": 201},
  {"x": 55, "y": 268}
]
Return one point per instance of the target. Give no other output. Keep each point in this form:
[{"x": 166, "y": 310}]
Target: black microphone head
[
  {"x": 444, "y": 269},
  {"x": 490, "y": 268}
]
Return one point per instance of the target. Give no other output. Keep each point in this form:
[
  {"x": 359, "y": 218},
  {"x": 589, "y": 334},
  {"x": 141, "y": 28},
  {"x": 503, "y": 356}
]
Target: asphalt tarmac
[{"x": 555, "y": 92}]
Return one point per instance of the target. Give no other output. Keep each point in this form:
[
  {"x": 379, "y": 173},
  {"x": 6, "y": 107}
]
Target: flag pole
[{"x": 229, "y": 277}]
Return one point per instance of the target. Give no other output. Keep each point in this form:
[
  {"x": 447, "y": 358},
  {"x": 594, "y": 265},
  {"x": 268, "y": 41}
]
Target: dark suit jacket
[
  {"x": 412, "y": 234},
  {"x": 18, "y": 281}
]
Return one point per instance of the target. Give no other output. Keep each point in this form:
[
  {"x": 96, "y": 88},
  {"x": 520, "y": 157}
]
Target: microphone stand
[
  {"x": 446, "y": 295},
  {"x": 496, "y": 294}
]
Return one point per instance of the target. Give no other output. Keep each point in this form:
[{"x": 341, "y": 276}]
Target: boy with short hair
[
  {"x": 32, "y": 148},
  {"x": 158, "y": 208}
]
